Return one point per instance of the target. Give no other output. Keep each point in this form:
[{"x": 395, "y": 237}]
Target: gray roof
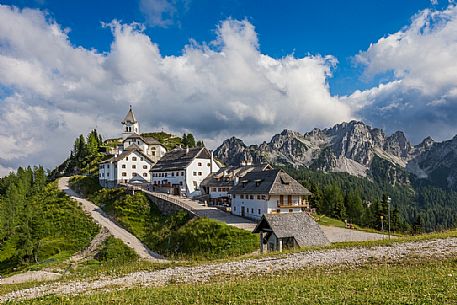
[
  {"x": 226, "y": 175},
  {"x": 126, "y": 153},
  {"x": 297, "y": 225},
  {"x": 130, "y": 117},
  {"x": 272, "y": 182},
  {"x": 147, "y": 140},
  {"x": 179, "y": 159}
]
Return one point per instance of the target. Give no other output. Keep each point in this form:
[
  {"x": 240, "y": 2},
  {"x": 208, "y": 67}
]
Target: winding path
[
  {"x": 430, "y": 249},
  {"x": 103, "y": 220}
]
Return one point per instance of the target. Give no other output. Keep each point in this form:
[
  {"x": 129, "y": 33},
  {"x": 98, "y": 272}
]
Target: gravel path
[
  {"x": 335, "y": 234},
  {"x": 351, "y": 256},
  {"x": 100, "y": 217}
]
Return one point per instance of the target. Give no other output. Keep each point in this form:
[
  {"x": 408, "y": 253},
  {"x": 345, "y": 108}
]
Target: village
[{"x": 276, "y": 204}]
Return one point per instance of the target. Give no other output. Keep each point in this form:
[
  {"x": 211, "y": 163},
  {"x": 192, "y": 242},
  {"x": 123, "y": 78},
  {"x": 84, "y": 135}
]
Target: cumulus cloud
[
  {"x": 422, "y": 96},
  {"x": 222, "y": 88}
]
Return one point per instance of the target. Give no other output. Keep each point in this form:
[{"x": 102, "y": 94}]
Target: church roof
[
  {"x": 130, "y": 117},
  {"x": 147, "y": 140},
  {"x": 132, "y": 148}
]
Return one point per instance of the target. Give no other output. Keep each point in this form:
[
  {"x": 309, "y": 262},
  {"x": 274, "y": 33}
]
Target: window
[
  {"x": 107, "y": 165},
  {"x": 199, "y": 164},
  {"x": 153, "y": 153},
  {"x": 259, "y": 212},
  {"x": 242, "y": 196},
  {"x": 278, "y": 211},
  {"x": 209, "y": 164},
  {"x": 258, "y": 197},
  {"x": 291, "y": 210},
  {"x": 180, "y": 182},
  {"x": 199, "y": 173},
  {"x": 213, "y": 189},
  {"x": 133, "y": 158},
  {"x": 145, "y": 174},
  {"x": 251, "y": 196},
  {"x": 107, "y": 174},
  {"x": 124, "y": 174},
  {"x": 123, "y": 166},
  {"x": 133, "y": 166},
  {"x": 220, "y": 190},
  {"x": 177, "y": 174},
  {"x": 145, "y": 167},
  {"x": 141, "y": 159},
  {"x": 264, "y": 197},
  {"x": 252, "y": 211},
  {"x": 173, "y": 174},
  {"x": 234, "y": 196},
  {"x": 182, "y": 173},
  {"x": 195, "y": 173},
  {"x": 134, "y": 174}
]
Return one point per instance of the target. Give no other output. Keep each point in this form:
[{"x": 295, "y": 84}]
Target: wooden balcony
[{"x": 292, "y": 206}]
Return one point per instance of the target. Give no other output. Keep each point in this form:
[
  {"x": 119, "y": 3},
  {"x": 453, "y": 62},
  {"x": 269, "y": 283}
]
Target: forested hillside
[
  {"x": 415, "y": 208},
  {"x": 38, "y": 223}
]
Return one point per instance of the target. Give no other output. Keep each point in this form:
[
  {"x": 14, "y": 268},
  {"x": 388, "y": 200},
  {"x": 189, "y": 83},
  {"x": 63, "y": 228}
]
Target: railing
[{"x": 166, "y": 197}]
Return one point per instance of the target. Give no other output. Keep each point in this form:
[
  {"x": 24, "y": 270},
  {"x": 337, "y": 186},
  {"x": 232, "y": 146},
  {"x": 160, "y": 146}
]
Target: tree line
[{"x": 415, "y": 207}]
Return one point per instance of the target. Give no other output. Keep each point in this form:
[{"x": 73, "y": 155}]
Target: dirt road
[{"x": 100, "y": 218}]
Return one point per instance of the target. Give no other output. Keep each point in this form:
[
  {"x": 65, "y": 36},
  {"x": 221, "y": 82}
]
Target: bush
[
  {"x": 115, "y": 251},
  {"x": 86, "y": 185},
  {"x": 207, "y": 238}
]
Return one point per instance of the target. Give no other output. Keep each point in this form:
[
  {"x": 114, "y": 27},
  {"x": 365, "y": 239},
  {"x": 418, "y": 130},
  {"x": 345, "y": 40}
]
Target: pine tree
[{"x": 354, "y": 207}]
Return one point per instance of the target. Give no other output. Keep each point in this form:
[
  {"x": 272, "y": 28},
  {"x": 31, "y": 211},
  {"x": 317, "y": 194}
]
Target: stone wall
[{"x": 167, "y": 207}]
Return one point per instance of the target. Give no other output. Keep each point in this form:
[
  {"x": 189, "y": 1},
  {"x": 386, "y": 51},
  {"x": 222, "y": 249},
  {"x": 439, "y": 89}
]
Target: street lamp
[
  {"x": 388, "y": 211},
  {"x": 382, "y": 223}
]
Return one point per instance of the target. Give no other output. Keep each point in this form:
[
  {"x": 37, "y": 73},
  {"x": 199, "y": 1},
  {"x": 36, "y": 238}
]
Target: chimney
[
  {"x": 187, "y": 150},
  {"x": 211, "y": 162}
]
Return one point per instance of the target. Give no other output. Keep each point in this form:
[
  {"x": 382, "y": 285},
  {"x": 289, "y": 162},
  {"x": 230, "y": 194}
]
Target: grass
[
  {"x": 411, "y": 282},
  {"x": 175, "y": 236},
  {"x": 61, "y": 229}
]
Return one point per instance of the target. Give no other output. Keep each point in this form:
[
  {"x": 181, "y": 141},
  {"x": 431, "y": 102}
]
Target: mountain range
[{"x": 355, "y": 148}]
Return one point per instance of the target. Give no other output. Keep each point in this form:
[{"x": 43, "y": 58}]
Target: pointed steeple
[{"x": 130, "y": 117}]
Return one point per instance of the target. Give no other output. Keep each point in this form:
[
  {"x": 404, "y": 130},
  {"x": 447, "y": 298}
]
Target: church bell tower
[{"x": 130, "y": 125}]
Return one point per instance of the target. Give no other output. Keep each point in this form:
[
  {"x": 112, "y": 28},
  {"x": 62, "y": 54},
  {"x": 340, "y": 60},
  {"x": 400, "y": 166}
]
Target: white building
[
  {"x": 181, "y": 171},
  {"x": 218, "y": 185},
  {"x": 268, "y": 192},
  {"x": 130, "y": 164},
  {"x": 132, "y": 158}
]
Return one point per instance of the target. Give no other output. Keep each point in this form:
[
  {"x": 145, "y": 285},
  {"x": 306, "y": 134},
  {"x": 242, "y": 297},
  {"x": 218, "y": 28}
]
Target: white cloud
[
  {"x": 423, "y": 59},
  {"x": 161, "y": 13},
  {"x": 223, "y": 88}
]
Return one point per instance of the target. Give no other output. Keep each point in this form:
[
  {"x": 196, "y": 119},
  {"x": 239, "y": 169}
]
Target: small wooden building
[{"x": 291, "y": 230}]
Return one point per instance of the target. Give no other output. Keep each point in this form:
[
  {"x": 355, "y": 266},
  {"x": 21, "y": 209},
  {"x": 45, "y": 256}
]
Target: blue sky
[
  {"x": 221, "y": 68},
  {"x": 339, "y": 28}
]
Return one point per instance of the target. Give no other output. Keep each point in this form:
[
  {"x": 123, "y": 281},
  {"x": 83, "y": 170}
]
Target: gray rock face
[
  {"x": 346, "y": 147},
  {"x": 438, "y": 163}
]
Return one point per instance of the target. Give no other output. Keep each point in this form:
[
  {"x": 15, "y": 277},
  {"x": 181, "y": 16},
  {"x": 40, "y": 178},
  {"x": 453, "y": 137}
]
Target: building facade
[
  {"x": 132, "y": 158},
  {"x": 218, "y": 185},
  {"x": 181, "y": 171},
  {"x": 268, "y": 192}
]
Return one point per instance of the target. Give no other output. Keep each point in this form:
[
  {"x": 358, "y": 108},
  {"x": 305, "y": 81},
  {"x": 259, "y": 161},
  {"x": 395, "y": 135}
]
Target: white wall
[
  {"x": 198, "y": 170},
  {"x": 269, "y": 205}
]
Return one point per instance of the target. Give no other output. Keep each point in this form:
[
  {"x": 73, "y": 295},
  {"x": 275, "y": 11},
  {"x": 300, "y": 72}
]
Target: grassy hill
[
  {"x": 38, "y": 223},
  {"x": 176, "y": 236}
]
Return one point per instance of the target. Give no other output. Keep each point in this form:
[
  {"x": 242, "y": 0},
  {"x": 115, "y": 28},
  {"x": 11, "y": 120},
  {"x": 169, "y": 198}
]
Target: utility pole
[{"x": 388, "y": 212}]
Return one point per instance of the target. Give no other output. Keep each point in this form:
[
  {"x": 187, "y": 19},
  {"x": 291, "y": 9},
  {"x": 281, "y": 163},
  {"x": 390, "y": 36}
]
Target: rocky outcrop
[{"x": 351, "y": 148}]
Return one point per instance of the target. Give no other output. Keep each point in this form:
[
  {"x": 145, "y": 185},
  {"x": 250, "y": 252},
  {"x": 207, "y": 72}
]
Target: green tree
[{"x": 354, "y": 207}]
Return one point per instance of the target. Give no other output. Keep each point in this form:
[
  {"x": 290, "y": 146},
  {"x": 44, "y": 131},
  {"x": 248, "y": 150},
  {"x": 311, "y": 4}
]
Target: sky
[{"x": 221, "y": 68}]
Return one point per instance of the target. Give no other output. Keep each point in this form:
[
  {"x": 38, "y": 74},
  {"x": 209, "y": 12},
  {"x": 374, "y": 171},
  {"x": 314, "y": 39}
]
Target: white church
[{"x": 133, "y": 158}]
